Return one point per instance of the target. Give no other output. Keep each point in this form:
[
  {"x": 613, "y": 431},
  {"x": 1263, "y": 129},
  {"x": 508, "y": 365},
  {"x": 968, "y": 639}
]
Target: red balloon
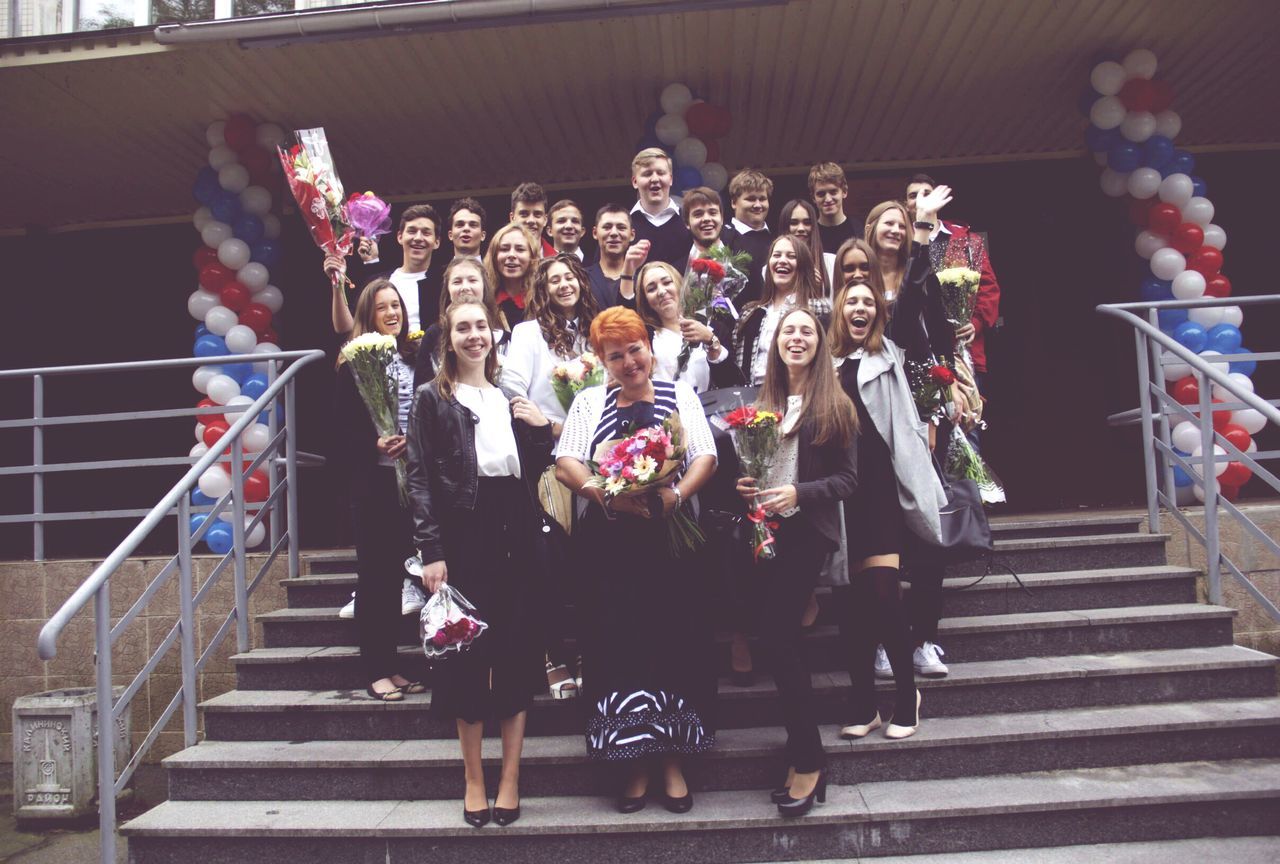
[
  {"x": 1238, "y": 437},
  {"x": 1206, "y": 260},
  {"x": 1186, "y": 391},
  {"x": 214, "y": 276},
  {"x": 1163, "y": 218},
  {"x": 1235, "y": 476},
  {"x": 1137, "y": 94},
  {"x": 256, "y": 487},
  {"x": 1139, "y": 211},
  {"x": 1187, "y": 238},
  {"x": 700, "y": 118},
  {"x": 255, "y": 159},
  {"x": 1221, "y": 419},
  {"x": 240, "y": 132},
  {"x": 1217, "y": 285},
  {"x": 235, "y": 296},
  {"x": 713, "y": 150},
  {"x": 213, "y": 431},
  {"x": 203, "y": 257},
  {"x": 269, "y": 335},
  {"x": 257, "y": 316},
  {"x": 724, "y": 122},
  {"x": 1231, "y": 493},
  {"x": 206, "y": 419},
  {"x": 1161, "y": 94}
]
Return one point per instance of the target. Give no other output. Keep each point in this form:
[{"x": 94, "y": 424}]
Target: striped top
[{"x": 595, "y": 418}]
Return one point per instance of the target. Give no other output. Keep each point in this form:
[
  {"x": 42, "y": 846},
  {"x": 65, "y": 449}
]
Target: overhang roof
[{"x": 109, "y": 128}]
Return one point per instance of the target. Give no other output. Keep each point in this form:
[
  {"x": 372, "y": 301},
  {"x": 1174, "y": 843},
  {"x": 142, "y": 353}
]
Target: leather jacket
[{"x": 443, "y": 475}]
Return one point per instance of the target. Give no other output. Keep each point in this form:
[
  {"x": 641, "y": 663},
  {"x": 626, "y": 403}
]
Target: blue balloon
[
  {"x": 1101, "y": 140},
  {"x": 206, "y": 185},
  {"x": 210, "y": 346},
  {"x": 238, "y": 371},
  {"x": 248, "y": 228},
  {"x": 254, "y": 386},
  {"x": 218, "y": 538},
  {"x": 225, "y": 206},
  {"x": 265, "y": 252},
  {"x": 1224, "y": 338},
  {"x": 200, "y": 499},
  {"x": 1157, "y": 151},
  {"x": 687, "y": 177},
  {"x": 1180, "y": 477},
  {"x": 201, "y": 330},
  {"x": 1199, "y": 187},
  {"x": 1171, "y": 318},
  {"x": 1191, "y": 335},
  {"x": 1123, "y": 157},
  {"x": 198, "y": 519},
  {"x": 1244, "y": 367},
  {"x": 1154, "y": 289},
  {"x": 1182, "y": 163}
]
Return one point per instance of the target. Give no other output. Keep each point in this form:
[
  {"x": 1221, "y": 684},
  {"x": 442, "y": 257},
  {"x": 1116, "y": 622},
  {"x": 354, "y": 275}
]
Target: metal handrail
[
  {"x": 1152, "y": 343},
  {"x": 96, "y": 587}
]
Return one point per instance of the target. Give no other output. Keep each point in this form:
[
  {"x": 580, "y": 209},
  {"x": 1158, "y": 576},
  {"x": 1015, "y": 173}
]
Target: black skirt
[
  {"x": 490, "y": 553},
  {"x": 874, "y": 524}
]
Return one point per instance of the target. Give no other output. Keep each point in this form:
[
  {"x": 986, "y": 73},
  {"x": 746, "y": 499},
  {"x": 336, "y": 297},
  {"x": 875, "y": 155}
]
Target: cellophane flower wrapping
[
  {"x": 756, "y": 435},
  {"x": 964, "y": 461},
  {"x": 930, "y": 383},
  {"x": 369, "y": 216},
  {"x": 448, "y": 623},
  {"x": 313, "y": 180},
  {"x": 570, "y": 378},
  {"x": 641, "y": 462},
  {"x": 370, "y": 357},
  {"x": 710, "y": 285}
]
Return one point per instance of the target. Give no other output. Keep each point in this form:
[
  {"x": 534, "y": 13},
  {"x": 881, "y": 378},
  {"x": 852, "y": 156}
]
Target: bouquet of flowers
[
  {"x": 370, "y": 357},
  {"x": 368, "y": 215},
  {"x": 641, "y": 462},
  {"x": 709, "y": 288},
  {"x": 571, "y": 377},
  {"x": 313, "y": 180},
  {"x": 964, "y": 461},
  {"x": 448, "y": 622},
  {"x": 929, "y": 385},
  {"x": 755, "y": 436}
]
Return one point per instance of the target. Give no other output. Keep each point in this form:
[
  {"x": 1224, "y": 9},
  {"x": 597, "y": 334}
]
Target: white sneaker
[
  {"x": 411, "y": 598},
  {"x": 928, "y": 660},
  {"x": 349, "y": 611},
  {"x": 883, "y": 669}
]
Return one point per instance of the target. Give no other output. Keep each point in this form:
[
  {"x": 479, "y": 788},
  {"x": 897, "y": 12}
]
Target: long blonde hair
[
  {"x": 869, "y": 231},
  {"x": 491, "y": 260},
  {"x": 826, "y": 409},
  {"x": 842, "y": 344}
]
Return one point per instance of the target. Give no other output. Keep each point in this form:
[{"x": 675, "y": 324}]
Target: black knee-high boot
[
  {"x": 858, "y": 632},
  {"x": 895, "y": 635}
]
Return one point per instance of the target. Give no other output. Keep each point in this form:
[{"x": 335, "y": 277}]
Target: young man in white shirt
[
  {"x": 656, "y": 216},
  {"x": 564, "y": 227},
  {"x": 466, "y": 228}
]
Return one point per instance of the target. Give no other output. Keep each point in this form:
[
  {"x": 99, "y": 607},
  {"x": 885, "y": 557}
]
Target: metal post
[
  {"x": 186, "y": 622},
  {"x": 1157, "y": 374},
  {"x": 273, "y": 469},
  {"x": 37, "y": 460},
  {"x": 1209, "y": 482},
  {"x": 106, "y": 724},
  {"x": 291, "y": 472},
  {"x": 237, "y": 544},
  {"x": 1148, "y": 448}
]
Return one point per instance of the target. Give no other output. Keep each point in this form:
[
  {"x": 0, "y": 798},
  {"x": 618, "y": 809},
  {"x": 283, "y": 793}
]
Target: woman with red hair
[{"x": 647, "y": 665}]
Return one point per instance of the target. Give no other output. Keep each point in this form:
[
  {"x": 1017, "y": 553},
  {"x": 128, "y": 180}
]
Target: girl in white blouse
[{"x": 683, "y": 349}]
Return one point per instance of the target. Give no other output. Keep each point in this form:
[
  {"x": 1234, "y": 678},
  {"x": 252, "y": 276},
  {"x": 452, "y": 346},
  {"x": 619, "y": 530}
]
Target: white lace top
[
  {"x": 773, "y": 315},
  {"x": 783, "y": 468}
]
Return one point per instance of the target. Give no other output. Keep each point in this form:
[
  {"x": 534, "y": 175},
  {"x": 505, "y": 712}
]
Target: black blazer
[
  {"x": 918, "y": 322},
  {"x": 354, "y": 445},
  {"x": 825, "y": 476}
]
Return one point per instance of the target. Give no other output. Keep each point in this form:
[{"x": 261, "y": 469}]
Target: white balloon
[
  {"x": 200, "y": 436},
  {"x": 1240, "y": 380},
  {"x": 715, "y": 175},
  {"x": 1107, "y": 113},
  {"x": 1174, "y": 369},
  {"x": 222, "y": 156},
  {"x": 1232, "y": 315},
  {"x": 200, "y": 448},
  {"x": 220, "y": 320},
  {"x": 1253, "y": 445},
  {"x": 1168, "y": 124},
  {"x": 233, "y": 178},
  {"x": 1215, "y": 236},
  {"x": 1138, "y": 126},
  {"x": 691, "y": 151},
  {"x": 270, "y": 297},
  {"x": 264, "y": 348},
  {"x": 1218, "y": 467},
  {"x": 253, "y": 276},
  {"x": 233, "y": 253},
  {"x": 215, "y": 482},
  {"x": 241, "y": 339},
  {"x": 1249, "y": 419},
  {"x": 256, "y": 437},
  {"x": 1107, "y": 77},
  {"x": 1206, "y": 317},
  {"x": 1167, "y": 263},
  {"x": 1140, "y": 63},
  {"x": 270, "y": 226},
  {"x": 255, "y": 535},
  {"x": 269, "y": 136},
  {"x": 1143, "y": 182},
  {"x": 1113, "y": 183},
  {"x": 671, "y": 129},
  {"x": 255, "y": 200},
  {"x": 202, "y": 376},
  {"x": 236, "y": 402},
  {"x": 200, "y": 302},
  {"x": 1198, "y": 490},
  {"x": 675, "y": 98},
  {"x": 1176, "y": 189},
  {"x": 201, "y": 218},
  {"x": 1186, "y": 436},
  {"x": 1147, "y": 244},
  {"x": 1187, "y": 285},
  {"x": 1198, "y": 210},
  {"x": 215, "y": 233},
  {"x": 215, "y": 134},
  {"x": 223, "y": 388}
]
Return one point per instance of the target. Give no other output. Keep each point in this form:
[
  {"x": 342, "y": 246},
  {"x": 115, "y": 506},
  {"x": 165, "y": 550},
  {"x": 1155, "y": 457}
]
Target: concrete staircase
[{"x": 1107, "y": 708}]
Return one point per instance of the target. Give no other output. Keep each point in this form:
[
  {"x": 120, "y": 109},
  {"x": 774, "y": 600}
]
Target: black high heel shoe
[
  {"x": 793, "y": 807},
  {"x": 780, "y": 795},
  {"x": 476, "y": 818},
  {"x": 505, "y": 816}
]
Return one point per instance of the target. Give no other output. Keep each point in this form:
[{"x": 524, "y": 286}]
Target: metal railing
[
  {"x": 280, "y": 455},
  {"x": 1157, "y": 406}
]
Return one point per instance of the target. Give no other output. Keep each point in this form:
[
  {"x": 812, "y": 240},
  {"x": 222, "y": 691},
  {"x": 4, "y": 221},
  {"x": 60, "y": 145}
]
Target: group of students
[{"x": 823, "y": 336}]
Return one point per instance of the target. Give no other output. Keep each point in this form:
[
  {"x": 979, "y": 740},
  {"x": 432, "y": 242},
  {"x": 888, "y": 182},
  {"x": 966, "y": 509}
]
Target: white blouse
[
  {"x": 773, "y": 315},
  {"x": 526, "y": 369},
  {"x": 496, "y": 452},
  {"x": 667, "y": 345},
  {"x": 782, "y": 470}
]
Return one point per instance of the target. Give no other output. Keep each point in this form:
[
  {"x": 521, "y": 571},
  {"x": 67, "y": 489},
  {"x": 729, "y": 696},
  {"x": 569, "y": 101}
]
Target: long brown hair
[
  {"x": 869, "y": 231},
  {"x": 842, "y": 344},
  {"x": 642, "y": 300},
  {"x": 815, "y": 237},
  {"x": 491, "y": 259},
  {"x": 366, "y": 308},
  {"x": 826, "y": 409},
  {"x": 560, "y": 339},
  {"x": 807, "y": 286},
  {"x": 486, "y": 288},
  {"x": 447, "y": 376}
]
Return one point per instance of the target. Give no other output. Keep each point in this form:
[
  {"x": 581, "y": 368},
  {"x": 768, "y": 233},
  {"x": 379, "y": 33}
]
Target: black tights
[{"x": 872, "y": 613}]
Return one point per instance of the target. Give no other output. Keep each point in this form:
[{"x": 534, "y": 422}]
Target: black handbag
[{"x": 966, "y": 534}]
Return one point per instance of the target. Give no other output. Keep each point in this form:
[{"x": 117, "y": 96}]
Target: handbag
[{"x": 966, "y": 534}]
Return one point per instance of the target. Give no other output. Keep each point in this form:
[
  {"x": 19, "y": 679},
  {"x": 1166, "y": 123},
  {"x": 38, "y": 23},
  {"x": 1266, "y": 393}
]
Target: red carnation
[
  {"x": 941, "y": 375},
  {"x": 700, "y": 265},
  {"x": 715, "y": 271}
]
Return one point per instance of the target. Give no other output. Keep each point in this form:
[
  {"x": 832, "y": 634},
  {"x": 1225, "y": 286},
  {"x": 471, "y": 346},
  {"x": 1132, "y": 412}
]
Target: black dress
[{"x": 873, "y": 517}]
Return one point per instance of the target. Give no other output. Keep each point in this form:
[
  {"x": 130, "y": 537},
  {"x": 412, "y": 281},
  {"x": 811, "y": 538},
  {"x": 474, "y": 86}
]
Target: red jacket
[{"x": 964, "y": 246}]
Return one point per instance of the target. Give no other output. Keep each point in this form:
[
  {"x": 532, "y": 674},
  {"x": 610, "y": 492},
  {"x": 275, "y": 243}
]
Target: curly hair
[{"x": 560, "y": 339}]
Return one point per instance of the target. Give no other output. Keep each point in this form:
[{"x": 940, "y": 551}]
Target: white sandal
[{"x": 566, "y": 689}]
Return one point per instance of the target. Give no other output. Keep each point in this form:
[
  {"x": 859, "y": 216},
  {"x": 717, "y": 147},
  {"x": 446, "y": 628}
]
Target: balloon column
[
  {"x": 234, "y": 303},
  {"x": 690, "y": 130},
  {"x": 1131, "y": 134}
]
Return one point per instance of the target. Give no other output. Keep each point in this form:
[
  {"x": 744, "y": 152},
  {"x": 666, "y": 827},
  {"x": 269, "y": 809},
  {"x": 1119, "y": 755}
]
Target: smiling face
[
  {"x": 652, "y": 181},
  {"x": 388, "y": 318},
  {"x": 890, "y": 230},
  {"x": 661, "y": 293},
  {"x": 799, "y": 223},
  {"x": 465, "y": 233},
  {"x": 797, "y": 339},
  {"x": 782, "y": 263},
  {"x": 613, "y": 232},
  {"x": 751, "y": 207},
  {"x": 859, "y": 312},
  {"x": 531, "y": 214},
  {"x": 466, "y": 283},
  {"x": 566, "y": 229},
  {"x": 469, "y": 335},
  {"x": 418, "y": 240},
  {"x": 513, "y": 256},
  {"x": 855, "y": 268},
  {"x": 564, "y": 289},
  {"x": 829, "y": 199},
  {"x": 705, "y": 222},
  {"x": 628, "y": 363}
]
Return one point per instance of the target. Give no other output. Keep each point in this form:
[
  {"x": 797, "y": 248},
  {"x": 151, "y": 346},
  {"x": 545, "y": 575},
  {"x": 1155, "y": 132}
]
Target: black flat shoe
[
  {"x": 630, "y": 805},
  {"x": 793, "y": 807},
  {"x": 678, "y": 805},
  {"x": 504, "y": 816},
  {"x": 476, "y": 818}
]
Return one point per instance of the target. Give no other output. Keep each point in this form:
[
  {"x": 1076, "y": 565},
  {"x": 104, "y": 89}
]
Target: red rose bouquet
[
  {"x": 755, "y": 437},
  {"x": 448, "y": 623},
  {"x": 930, "y": 385},
  {"x": 313, "y": 180}
]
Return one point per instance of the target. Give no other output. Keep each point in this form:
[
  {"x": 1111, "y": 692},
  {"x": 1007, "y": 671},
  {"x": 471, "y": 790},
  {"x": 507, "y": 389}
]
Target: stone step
[
  {"x": 991, "y": 687},
  {"x": 1238, "y": 850},
  {"x": 296, "y": 658},
  {"x": 743, "y": 758},
  {"x": 1023, "y": 526},
  {"x": 1090, "y": 805}
]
